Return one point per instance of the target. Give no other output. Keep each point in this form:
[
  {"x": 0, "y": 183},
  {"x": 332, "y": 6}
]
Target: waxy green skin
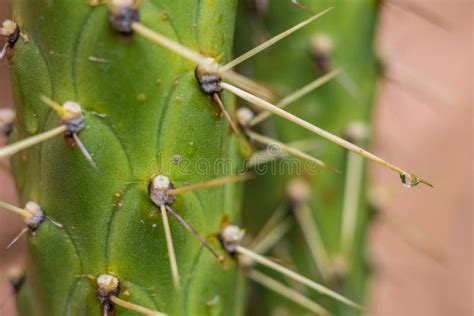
[
  {"x": 287, "y": 67},
  {"x": 155, "y": 121}
]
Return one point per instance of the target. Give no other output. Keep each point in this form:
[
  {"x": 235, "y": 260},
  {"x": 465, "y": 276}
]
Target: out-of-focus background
[{"x": 422, "y": 243}]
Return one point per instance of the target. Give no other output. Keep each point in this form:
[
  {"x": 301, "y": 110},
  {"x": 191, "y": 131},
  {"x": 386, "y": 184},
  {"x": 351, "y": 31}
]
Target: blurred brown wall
[
  {"x": 430, "y": 132},
  {"x": 10, "y": 224}
]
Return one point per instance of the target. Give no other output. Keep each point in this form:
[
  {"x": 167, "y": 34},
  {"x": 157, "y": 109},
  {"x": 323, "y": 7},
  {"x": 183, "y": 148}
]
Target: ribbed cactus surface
[
  {"x": 145, "y": 115},
  {"x": 342, "y": 106}
]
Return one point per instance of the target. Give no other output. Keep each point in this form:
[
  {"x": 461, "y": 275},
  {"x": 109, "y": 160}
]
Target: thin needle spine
[
  {"x": 134, "y": 307},
  {"x": 287, "y": 292},
  {"x": 317, "y": 130},
  {"x": 296, "y": 152},
  {"x": 84, "y": 151},
  {"x": 170, "y": 247},
  {"x": 277, "y": 216},
  {"x": 14, "y": 148},
  {"x": 354, "y": 174},
  {"x": 313, "y": 239},
  {"x": 295, "y": 276},
  {"x": 14, "y": 209},
  {"x": 271, "y": 42},
  {"x": 218, "y": 100},
  {"x": 270, "y": 239},
  {"x": 210, "y": 184},
  {"x": 161, "y": 195},
  {"x": 22, "y": 232},
  {"x": 297, "y": 95},
  {"x": 193, "y": 232}
]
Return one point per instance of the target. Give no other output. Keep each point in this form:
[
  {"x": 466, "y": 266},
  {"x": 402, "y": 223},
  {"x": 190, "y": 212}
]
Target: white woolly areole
[
  {"x": 209, "y": 64},
  {"x": 73, "y": 110},
  {"x": 8, "y": 27},
  {"x": 244, "y": 115},
  {"x": 107, "y": 283},
  {"x": 298, "y": 190},
  {"x": 33, "y": 208},
  {"x": 161, "y": 183},
  {"x": 7, "y": 116},
  {"x": 322, "y": 43},
  {"x": 232, "y": 234},
  {"x": 123, "y": 3}
]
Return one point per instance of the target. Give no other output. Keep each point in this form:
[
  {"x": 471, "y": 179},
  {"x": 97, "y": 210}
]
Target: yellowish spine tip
[{"x": 54, "y": 105}]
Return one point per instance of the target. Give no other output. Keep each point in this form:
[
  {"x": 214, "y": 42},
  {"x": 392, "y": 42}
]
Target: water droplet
[
  {"x": 409, "y": 180},
  {"x": 178, "y": 100}
]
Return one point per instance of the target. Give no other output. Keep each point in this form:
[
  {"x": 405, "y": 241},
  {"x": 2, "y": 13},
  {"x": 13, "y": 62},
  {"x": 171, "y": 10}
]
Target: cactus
[
  {"x": 128, "y": 151},
  {"x": 290, "y": 66}
]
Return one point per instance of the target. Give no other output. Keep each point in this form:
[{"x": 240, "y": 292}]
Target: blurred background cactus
[
  {"x": 145, "y": 116},
  {"x": 342, "y": 106}
]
